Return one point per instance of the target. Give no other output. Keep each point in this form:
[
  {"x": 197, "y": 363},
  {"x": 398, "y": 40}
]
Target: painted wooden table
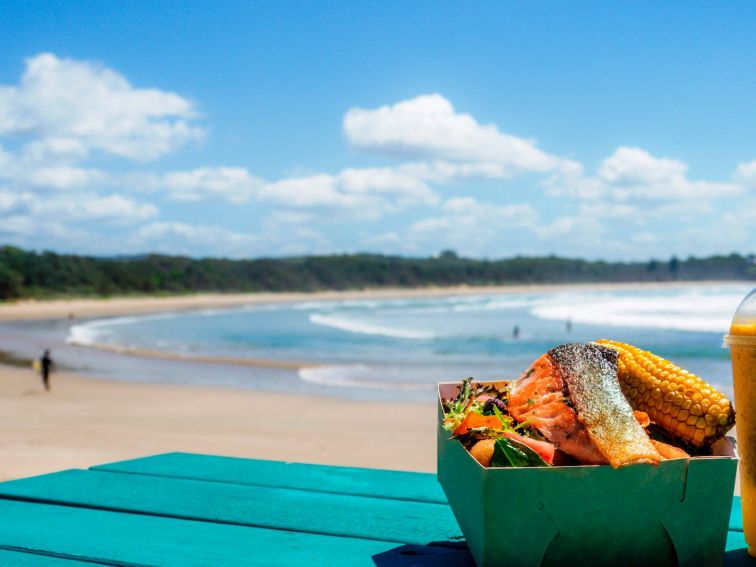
[{"x": 184, "y": 509}]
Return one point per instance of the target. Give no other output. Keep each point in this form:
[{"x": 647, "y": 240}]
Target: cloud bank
[{"x": 81, "y": 152}]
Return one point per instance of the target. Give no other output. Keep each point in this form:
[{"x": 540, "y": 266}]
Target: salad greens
[{"x": 511, "y": 453}]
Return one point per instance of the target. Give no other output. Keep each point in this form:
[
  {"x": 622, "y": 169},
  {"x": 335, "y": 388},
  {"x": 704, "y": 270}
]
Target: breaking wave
[
  {"x": 93, "y": 332},
  {"x": 353, "y": 376},
  {"x": 691, "y": 311},
  {"x": 353, "y": 326}
]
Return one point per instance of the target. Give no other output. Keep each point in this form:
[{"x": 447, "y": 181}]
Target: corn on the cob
[{"x": 680, "y": 402}]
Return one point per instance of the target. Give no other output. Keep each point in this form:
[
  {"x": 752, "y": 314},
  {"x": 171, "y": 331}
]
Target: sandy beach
[{"x": 86, "y": 421}]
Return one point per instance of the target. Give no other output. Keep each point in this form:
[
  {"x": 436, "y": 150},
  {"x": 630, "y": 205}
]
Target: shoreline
[
  {"x": 84, "y": 309},
  {"x": 294, "y": 365},
  {"x": 29, "y": 310}
]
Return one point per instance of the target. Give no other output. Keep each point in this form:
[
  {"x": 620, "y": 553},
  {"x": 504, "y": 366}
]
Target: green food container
[{"x": 676, "y": 513}]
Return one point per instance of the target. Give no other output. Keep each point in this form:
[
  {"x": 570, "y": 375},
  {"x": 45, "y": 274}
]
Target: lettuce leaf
[{"x": 510, "y": 453}]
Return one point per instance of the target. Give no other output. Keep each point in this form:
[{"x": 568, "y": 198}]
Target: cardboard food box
[{"x": 676, "y": 513}]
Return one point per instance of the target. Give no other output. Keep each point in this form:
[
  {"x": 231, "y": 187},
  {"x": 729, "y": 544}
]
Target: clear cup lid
[{"x": 743, "y": 329}]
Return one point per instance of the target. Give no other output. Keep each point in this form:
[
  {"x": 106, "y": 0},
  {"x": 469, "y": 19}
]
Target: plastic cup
[{"x": 741, "y": 341}]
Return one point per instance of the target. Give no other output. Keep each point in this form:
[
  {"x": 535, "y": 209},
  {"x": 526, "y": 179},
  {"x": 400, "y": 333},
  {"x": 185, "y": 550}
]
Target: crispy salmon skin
[{"x": 573, "y": 397}]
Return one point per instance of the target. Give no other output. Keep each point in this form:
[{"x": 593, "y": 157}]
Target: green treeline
[{"x": 31, "y": 274}]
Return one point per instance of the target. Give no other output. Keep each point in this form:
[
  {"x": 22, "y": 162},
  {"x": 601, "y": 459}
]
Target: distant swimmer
[
  {"x": 45, "y": 367},
  {"x": 569, "y": 325},
  {"x": 516, "y": 332}
]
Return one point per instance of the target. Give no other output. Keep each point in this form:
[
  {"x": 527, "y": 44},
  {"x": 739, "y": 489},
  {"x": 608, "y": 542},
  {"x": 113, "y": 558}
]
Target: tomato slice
[
  {"x": 475, "y": 419},
  {"x": 543, "y": 448}
]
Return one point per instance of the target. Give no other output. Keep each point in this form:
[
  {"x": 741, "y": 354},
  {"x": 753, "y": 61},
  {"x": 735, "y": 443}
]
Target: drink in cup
[{"x": 742, "y": 343}]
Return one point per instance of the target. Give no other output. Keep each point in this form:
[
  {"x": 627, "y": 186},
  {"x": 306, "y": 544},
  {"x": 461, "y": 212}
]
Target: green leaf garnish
[{"x": 511, "y": 453}]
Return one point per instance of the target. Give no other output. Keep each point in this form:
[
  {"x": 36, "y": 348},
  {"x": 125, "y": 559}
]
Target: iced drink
[{"x": 742, "y": 344}]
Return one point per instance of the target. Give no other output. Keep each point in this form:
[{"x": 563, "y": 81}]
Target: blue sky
[{"x": 601, "y": 130}]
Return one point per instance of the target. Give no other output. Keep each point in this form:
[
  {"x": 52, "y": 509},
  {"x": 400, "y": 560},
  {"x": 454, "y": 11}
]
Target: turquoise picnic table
[{"x": 181, "y": 509}]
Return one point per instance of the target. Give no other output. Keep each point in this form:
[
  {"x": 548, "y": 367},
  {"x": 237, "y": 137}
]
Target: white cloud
[
  {"x": 605, "y": 209},
  {"x": 404, "y": 187},
  {"x": 75, "y": 107},
  {"x": 739, "y": 226},
  {"x": 111, "y": 207},
  {"x": 66, "y": 119},
  {"x": 60, "y": 177},
  {"x": 633, "y": 175},
  {"x": 17, "y": 225},
  {"x": 54, "y": 150},
  {"x": 367, "y": 190},
  {"x": 86, "y": 207},
  {"x": 390, "y": 238},
  {"x": 28, "y": 230},
  {"x": 234, "y": 184},
  {"x": 287, "y": 218},
  {"x": 6, "y": 161},
  {"x": 12, "y": 202},
  {"x": 444, "y": 171},
  {"x": 745, "y": 174},
  {"x": 193, "y": 233},
  {"x": 428, "y": 127},
  {"x": 471, "y": 226},
  {"x": 370, "y": 191},
  {"x": 192, "y": 240},
  {"x": 202, "y": 239},
  {"x": 314, "y": 191},
  {"x": 27, "y": 173},
  {"x": 635, "y": 166},
  {"x": 582, "y": 227}
]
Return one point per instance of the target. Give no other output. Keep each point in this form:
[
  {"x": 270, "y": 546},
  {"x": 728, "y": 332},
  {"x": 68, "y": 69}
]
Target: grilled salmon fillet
[{"x": 572, "y": 396}]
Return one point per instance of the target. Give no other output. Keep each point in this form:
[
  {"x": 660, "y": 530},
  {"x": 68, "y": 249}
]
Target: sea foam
[
  {"x": 94, "y": 332},
  {"x": 692, "y": 311},
  {"x": 353, "y": 376},
  {"x": 354, "y": 326}
]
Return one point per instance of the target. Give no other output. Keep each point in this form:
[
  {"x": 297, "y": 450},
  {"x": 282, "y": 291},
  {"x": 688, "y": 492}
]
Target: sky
[{"x": 616, "y": 130}]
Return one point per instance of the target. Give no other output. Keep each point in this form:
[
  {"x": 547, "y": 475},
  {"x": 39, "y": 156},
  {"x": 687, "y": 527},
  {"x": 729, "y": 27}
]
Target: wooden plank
[
  {"x": 736, "y": 554},
  {"x": 425, "y": 556},
  {"x": 115, "y": 538},
  {"x": 736, "y": 515},
  {"x": 735, "y": 540},
  {"x": 422, "y": 487},
  {"x": 22, "y": 559},
  {"x": 401, "y": 521}
]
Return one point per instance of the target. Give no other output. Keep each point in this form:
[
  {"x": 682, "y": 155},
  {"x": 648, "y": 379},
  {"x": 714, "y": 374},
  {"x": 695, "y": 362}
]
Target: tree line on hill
[{"x": 28, "y": 274}]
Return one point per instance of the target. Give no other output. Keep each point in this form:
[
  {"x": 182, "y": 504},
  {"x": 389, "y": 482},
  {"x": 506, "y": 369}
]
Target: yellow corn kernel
[
  {"x": 698, "y": 437},
  {"x": 677, "y": 400}
]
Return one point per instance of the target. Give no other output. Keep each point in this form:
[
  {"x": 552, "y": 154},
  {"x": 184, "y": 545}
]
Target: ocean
[{"x": 398, "y": 349}]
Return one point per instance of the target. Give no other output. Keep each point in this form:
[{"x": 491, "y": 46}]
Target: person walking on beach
[{"x": 46, "y": 365}]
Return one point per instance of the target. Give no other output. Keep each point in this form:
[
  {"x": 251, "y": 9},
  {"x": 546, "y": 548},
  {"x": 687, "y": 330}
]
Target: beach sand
[{"x": 86, "y": 421}]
